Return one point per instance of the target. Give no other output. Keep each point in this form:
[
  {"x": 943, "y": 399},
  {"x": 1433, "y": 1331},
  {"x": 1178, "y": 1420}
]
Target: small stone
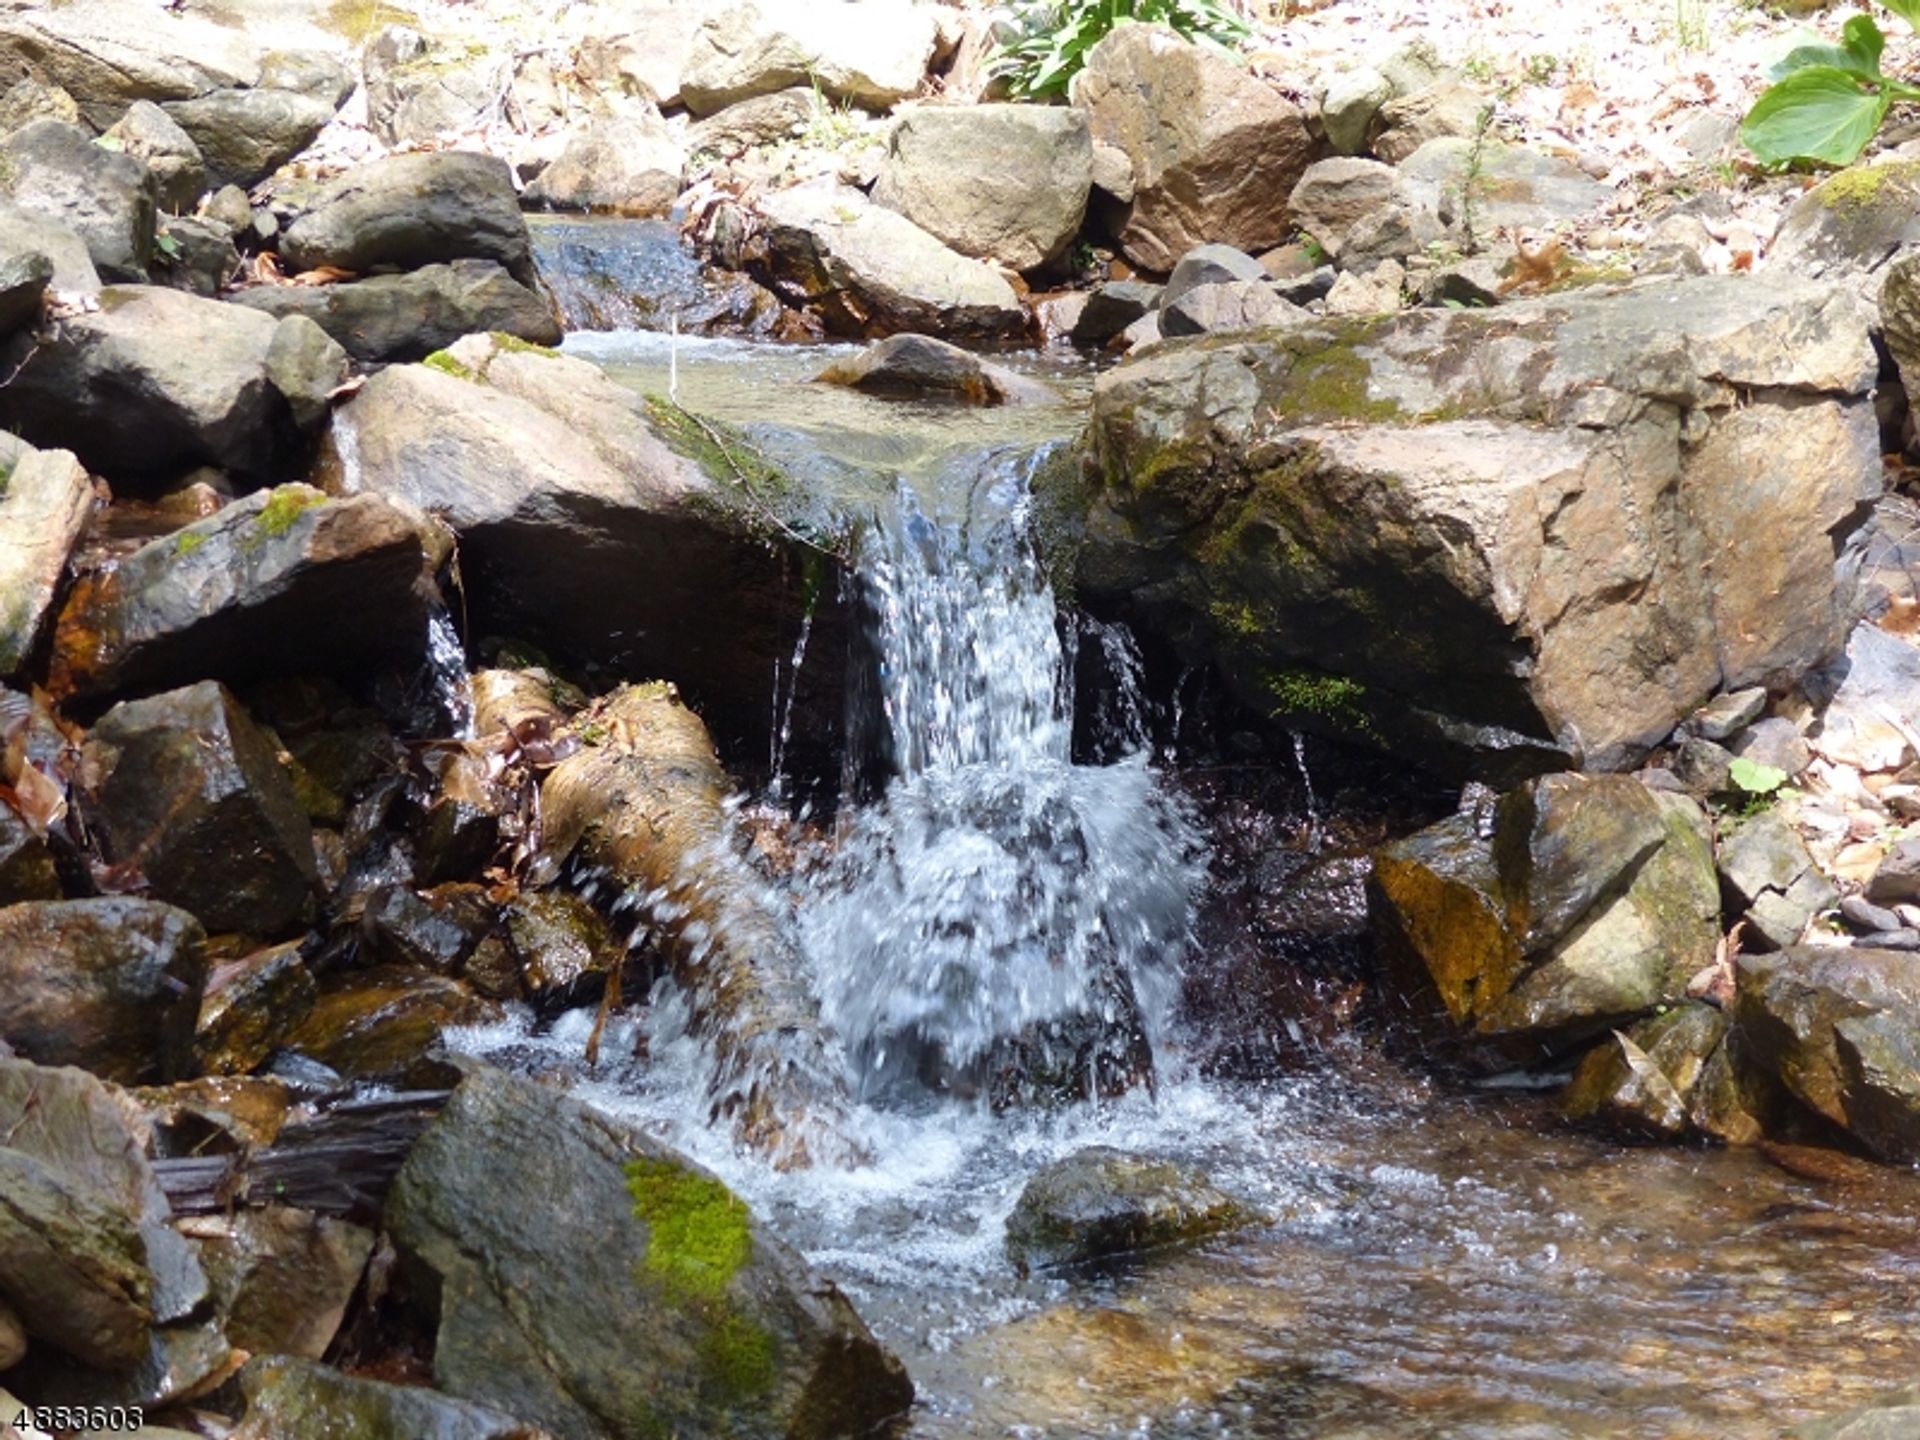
[
  {"x": 1101, "y": 1201},
  {"x": 1774, "y": 741},
  {"x": 1898, "y": 878},
  {"x": 1764, "y": 853},
  {"x": 249, "y": 1007},
  {"x": 1863, "y": 915},
  {"x": 1474, "y": 282},
  {"x": 1889, "y": 940},
  {"x": 1352, "y": 99},
  {"x": 1727, "y": 715},
  {"x": 1112, "y": 308},
  {"x": 1210, "y": 265}
]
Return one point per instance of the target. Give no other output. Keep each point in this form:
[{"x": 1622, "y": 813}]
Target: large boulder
[
  {"x": 641, "y": 49},
  {"x": 630, "y": 166},
  {"x": 87, "y": 1259},
  {"x": 287, "y": 1395},
  {"x": 871, "y": 271},
  {"x": 419, "y": 89},
  {"x": 108, "y": 199},
  {"x": 283, "y": 579},
  {"x": 1851, "y": 223},
  {"x": 1592, "y": 901},
  {"x": 149, "y": 135},
  {"x": 599, "y": 1284},
  {"x": 1841, "y": 1030},
  {"x": 1504, "y": 538},
  {"x": 156, "y": 382},
  {"x": 1213, "y": 150},
  {"x": 581, "y": 528},
  {"x": 1006, "y": 183},
  {"x": 25, "y": 232},
  {"x": 109, "y": 53},
  {"x": 246, "y": 135},
  {"x": 409, "y": 210},
  {"x": 411, "y": 315},
  {"x": 111, "y": 984},
  {"x": 866, "y": 52},
  {"x": 186, "y": 791},
  {"x": 45, "y": 498}
]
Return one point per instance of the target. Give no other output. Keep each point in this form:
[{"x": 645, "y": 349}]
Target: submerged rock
[
  {"x": 598, "y": 1284},
  {"x": 45, "y": 499},
  {"x": 1531, "y": 494},
  {"x": 409, "y": 316},
  {"x": 184, "y": 789},
  {"x": 906, "y": 367},
  {"x": 223, "y": 596},
  {"x": 110, "y": 984},
  {"x": 1101, "y": 1201},
  {"x": 289, "y": 1396}
]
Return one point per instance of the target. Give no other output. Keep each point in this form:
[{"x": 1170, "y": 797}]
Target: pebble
[{"x": 1863, "y": 914}]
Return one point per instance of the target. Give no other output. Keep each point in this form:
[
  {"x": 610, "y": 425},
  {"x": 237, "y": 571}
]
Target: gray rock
[
  {"x": 1005, "y": 183},
  {"x": 763, "y": 120},
  {"x": 1879, "y": 676},
  {"x": 1774, "y": 742},
  {"x": 567, "y": 1295},
  {"x": 1232, "y": 305},
  {"x": 185, "y": 789},
  {"x": 110, "y": 53},
  {"x": 1617, "y": 645},
  {"x": 1848, "y": 224},
  {"x": 149, "y": 135},
  {"x": 25, "y": 232},
  {"x": 1727, "y": 715},
  {"x": 1763, "y": 852},
  {"x": 1447, "y": 109},
  {"x": 229, "y": 208},
  {"x": 1101, "y": 1201},
  {"x": 920, "y": 367},
  {"x": 1314, "y": 285},
  {"x": 410, "y": 210},
  {"x": 1377, "y": 292},
  {"x": 1903, "y": 939},
  {"x": 1863, "y": 915},
  {"x": 113, "y": 985},
  {"x": 157, "y": 382},
  {"x": 202, "y": 260},
  {"x": 1704, "y": 768},
  {"x": 1471, "y": 283},
  {"x": 1210, "y": 265},
  {"x": 1333, "y": 196},
  {"x": 45, "y": 500},
  {"x": 1897, "y": 878},
  {"x": 221, "y": 597},
  {"x": 1352, "y": 99},
  {"x": 1214, "y": 150},
  {"x": 868, "y": 269},
  {"x": 867, "y": 53},
  {"x": 419, "y": 90},
  {"x": 312, "y": 73},
  {"x": 26, "y": 863},
  {"x": 29, "y": 100},
  {"x": 1895, "y": 1418},
  {"x": 629, "y": 166},
  {"x": 287, "y": 1396},
  {"x": 1480, "y": 190},
  {"x": 409, "y": 316},
  {"x": 1111, "y": 308},
  {"x": 246, "y": 135},
  {"x": 109, "y": 200}
]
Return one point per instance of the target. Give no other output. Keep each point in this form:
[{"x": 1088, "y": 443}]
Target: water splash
[{"x": 450, "y": 686}]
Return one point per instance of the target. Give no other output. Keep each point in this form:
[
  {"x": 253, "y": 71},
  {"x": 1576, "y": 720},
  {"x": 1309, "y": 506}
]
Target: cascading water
[{"x": 1001, "y": 916}]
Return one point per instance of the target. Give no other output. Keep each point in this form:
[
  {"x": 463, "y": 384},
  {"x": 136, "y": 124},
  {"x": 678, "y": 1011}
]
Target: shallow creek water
[{"x": 1433, "y": 1265}]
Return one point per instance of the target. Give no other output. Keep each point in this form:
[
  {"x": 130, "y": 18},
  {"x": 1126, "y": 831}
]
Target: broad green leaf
[
  {"x": 1862, "y": 37},
  {"x": 1755, "y": 778},
  {"x": 1859, "y": 54},
  {"x": 1822, "y": 113}
]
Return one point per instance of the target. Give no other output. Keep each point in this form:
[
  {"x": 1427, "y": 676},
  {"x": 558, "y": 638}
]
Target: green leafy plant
[
  {"x": 1752, "y": 778},
  {"x": 1828, "y": 101},
  {"x": 1056, "y": 35}
]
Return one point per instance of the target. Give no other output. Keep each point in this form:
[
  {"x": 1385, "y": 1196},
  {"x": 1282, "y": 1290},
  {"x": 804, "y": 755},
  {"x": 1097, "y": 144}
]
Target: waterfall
[{"x": 1000, "y": 919}]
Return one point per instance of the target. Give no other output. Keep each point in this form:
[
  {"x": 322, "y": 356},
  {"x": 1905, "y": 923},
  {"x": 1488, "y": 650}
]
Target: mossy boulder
[
  {"x": 1512, "y": 530},
  {"x": 1850, "y": 222},
  {"x": 598, "y": 1284},
  {"x": 1102, "y": 1202}
]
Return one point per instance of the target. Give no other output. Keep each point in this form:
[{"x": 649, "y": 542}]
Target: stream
[{"x": 1431, "y": 1264}]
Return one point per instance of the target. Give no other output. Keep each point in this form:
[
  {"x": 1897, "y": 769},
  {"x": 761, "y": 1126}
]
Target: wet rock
[
  {"x": 1112, "y": 308},
  {"x": 87, "y": 1260},
  {"x": 151, "y": 136},
  {"x": 108, "y": 55},
  {"x": 650, "y": 1299},
  {"x": 1100, "y": 1202},
  {"x": 561, "y": 942},
  {"x": 109, "y": 200},
  {"x": 379, "y": 1024},
  {"x": 246, "y": 135},
  {"x": 250, "y": 1006},
  {"x": 110, "y": 984},
  {"x": 1447, "y": 109},
  {"x": 1005, "y": 183},
  {"x": 281, "y": 1277},
  {"x": 220, "y": 596},
  {"x": 867, "y": 53},
  {"x": 411, "y": 210},
  {"x": 409, "y": 316},
  {"x": 1335, "y": 195},
  {"x": 26, "y": 864},
  {"x": 184, "y": 789},
  {"x": 869, "y": 270},
  {"x": 1234, "y": 305},
  {"x": 436, "y": 930},
  {"x": 908, "y": 367},
  {"x": 1897, "y": 878},
  {"x": 581, "y": 529},
  {"x": 628, "y": 166},
  {"x": 1837, "y": 1027},
  {"x": 1849, "y": 223},
  {"x": 287, "y": 1395},
  {"x": 1214, "y": 151},
  {"x": 1271, "y": 530},
  {"x": 1589, "y": 905},
  {"x": 1878, "y": 676},
  {"x": 218, "y": 1114},
  {"x": 420, "y": 90},
  {"x": 45, "y": 499},
  {"x": 1895, "y": 1418},
  {"x": 1725, "y": 716},
  {"x": 157, "y": 382},
  {"x": 1644, "y": 1080},
  {"x": 1352, "y": 99}
]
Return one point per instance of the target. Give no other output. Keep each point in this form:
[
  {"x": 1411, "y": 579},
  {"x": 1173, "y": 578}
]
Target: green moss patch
[
  {"x": 699, "y": 1233},
  {"x": 188, "y": 541},
  {"x": 513, "y": 344},
  {"x": 1298, "y": 692},
  {"x": 287, "y": 505},
  {"x": 445, "y": 363}
]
